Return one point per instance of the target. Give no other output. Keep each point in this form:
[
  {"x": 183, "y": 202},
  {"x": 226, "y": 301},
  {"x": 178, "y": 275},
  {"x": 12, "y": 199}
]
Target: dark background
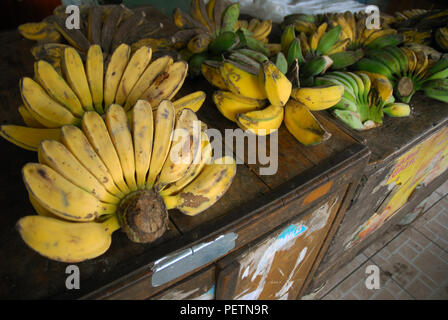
[{"x": 16, "y": 12}]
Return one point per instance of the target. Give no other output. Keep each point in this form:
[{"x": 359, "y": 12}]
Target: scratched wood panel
[
  {"x": 277, "y": 266},
  {"x": 200, "y": 286}
]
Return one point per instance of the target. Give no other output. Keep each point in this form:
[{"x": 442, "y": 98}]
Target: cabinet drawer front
[{"x": 277, "y": 266}]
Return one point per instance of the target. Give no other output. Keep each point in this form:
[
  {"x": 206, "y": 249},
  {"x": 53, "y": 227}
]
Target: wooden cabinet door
[{"x": 277, "y": 266}]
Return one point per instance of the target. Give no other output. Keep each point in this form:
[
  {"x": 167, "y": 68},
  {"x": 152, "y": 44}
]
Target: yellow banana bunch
[
  {"x": 107, "y": 26},
  {"x": 100, "y": 178},
  {"x": 52, "y": 100}
]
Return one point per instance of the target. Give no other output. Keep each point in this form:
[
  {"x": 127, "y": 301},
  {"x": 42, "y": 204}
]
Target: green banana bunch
[
  {"x": 409, "y": 70},
  {"x": 317, "y": 51},
  {"x": 211, "y": 30},
  {"x": 367, "y": 97}
]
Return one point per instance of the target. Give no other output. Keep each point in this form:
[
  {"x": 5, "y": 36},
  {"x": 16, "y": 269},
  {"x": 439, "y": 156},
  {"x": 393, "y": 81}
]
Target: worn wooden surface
[{"x": 253, "y": 206}]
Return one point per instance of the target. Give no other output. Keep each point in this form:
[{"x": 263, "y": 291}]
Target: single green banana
[
  {"x": 317, "y": 65},
  {"x": 230, "y": 18},
  {"x": 223, "y": 42},
  {"x": 328, "y": 40},
  {"x": 345, "y": 59},
  {"x": 281, "y": 63},
  {"x": 295, "y": 52}
]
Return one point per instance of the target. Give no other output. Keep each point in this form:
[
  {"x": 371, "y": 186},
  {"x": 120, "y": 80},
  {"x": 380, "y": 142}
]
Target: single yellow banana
[
  {"x": 39, "y": 31},
  {"x": 167, "y": 84},
  {"x": 261, "y": 122},
  {"x": 199, "y": 162},
  {"x": 65, "y": 241},
  {"x": 117, "y": 64},
  {"x": 301, "y": 123},
  {"x": 262, "y": 30},
  {"x": 95, "y": 130},
  {"x": 277, "y": 86},
  {"x": 152, "y": 71},
  {"x": 56, "y": 87},
  {"x": 253, "y": 23},
  {"x": 192, "y": 101},
  {"x": 184, "y": 148},
  {"x": 78, "y": 144},
  {"x": 231, "y": 104},
  {"x": 241, "y": 81},
  {"x": 117, "y": 124},
  {"x": 381, "y": 84},
  {"x": 28, "y": 138},
  {"x": 320, "y": 97},
  {"x": 207, "y": 188},
  {"x": 28, "y": 118},
  {"x": 60, "y": 196},
  {"x": 95, "y": 75},
  {"x": 163, "y": 130},
  {"x": 42, "y": 107},
  {"x": 135, "y": 68},
  {"x": 74, "y": 73},
  {"x": 55, "y": 155},
  {"x": 143, "y": 131}
]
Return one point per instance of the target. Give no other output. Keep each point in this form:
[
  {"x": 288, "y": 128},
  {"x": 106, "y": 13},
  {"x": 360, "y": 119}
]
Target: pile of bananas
[
  {"x": 51, "y": 101},
  {"x": 213, "y": 29},
  {"x": 409, "y": 71},
  {"x": 119, "y": 173},
  {"x": 422, "y": 26},
  {"x": 367, "y": 96},
  {"x": 108, "y": 26},
  {"x": 255, "y": 94}
]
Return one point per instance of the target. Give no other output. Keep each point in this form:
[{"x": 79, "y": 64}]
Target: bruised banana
[
  {"x": 152, "y": 72},
  {"x": 240, "y": 81},
  {"x": 191, "y": 101},
  {"x": 167, "y": 83},
  {"x": 302, "y": 124},
  {"x": 210, "y": 71},
  {"x": 231, "y": 104},
  {"x": 60, "y": 196},
  {"x": 261, "y": 122},
  {"x": 208, "y": 187},
  {"x": 276, "y": 85},
  {"x": 53, "y": 238},
  {"x": 318, "y": 98},
  {"x": 185, "y": 146},
  {"x": 135, "y": 68}
]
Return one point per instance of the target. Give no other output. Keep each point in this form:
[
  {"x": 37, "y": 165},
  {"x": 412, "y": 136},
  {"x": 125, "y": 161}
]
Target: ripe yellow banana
[
  {"x": 184, "y": 148},
  {"x": 39, "y": 31},
  {"x": 95, "y": 130},
  {"x": 42, "y": 107},
  {"x": 39, "y": 209},
  {"x": 192, "y": 101},
  {"x": 262, "y": 30},
  {"x": 78, "y": 144},
  {"x": 56, "y": 87},
  {"x": 301, "y": 123},
  {"x": 117, "y": 124},
  {"x": 231, "y": 104},
  {"x": 253, "y": 23},
  {"x": 117, "y": 64},
  {"x": 261, "y": 122},
  {"x": 28, "y": 118},
  {"x": 74, "y": 73},
  {"x": 277, "y": 86},
  {"x": 412, "y": 59},
  {"x": 163, "y": 130},
  {"x": 241, "y": 81},
  {"x": 167, "y": 84},
  {"x": 200, "y": 161},
  {"x": 28, "y": 138},
  {"x": 319, "y": 98},
  {"x": 60, "y": 196},
  {"x": 152, "y": 72},
  {"x": 65, "y": 241},
  {"x": 210, "y": 71},
  {"x": 143, "y": 131},
  {"x": 317, "y": 35},
  {"x": 208, "y": 187},
  {"x": 135, "y": 68},
  {"x": 95, "y": 75},
  {"x": 55, "y": 155}
]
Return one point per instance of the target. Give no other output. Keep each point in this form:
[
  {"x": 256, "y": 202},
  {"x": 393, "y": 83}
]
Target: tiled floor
[{"x": 412, "y": 261}]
